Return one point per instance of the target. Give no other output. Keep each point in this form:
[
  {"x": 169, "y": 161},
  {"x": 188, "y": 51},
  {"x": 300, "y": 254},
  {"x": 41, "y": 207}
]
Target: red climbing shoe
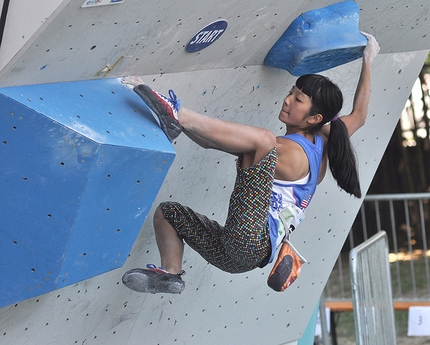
[{"x": 163, "y": 108}]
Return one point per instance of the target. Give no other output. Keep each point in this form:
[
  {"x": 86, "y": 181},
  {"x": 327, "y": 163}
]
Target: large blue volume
[
  {"x": 319, "y": 40},
  {"x": 81, "y": 165}
]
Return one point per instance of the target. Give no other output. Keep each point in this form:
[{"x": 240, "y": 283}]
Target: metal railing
[
  {"x": 372, "y": 295},
  {"x": 405, "y": 218}
]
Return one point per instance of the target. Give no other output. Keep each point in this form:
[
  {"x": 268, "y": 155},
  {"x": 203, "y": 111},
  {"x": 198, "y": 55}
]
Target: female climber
[{"x": 275, "y": 175}]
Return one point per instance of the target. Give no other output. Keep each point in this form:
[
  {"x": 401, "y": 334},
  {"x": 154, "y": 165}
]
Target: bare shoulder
[
  {"x": 293, "y": 163},
  {"x": 325, "y": 132}
]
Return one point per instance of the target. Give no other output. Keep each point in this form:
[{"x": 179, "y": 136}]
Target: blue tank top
[{"x": 289, "y": 200}]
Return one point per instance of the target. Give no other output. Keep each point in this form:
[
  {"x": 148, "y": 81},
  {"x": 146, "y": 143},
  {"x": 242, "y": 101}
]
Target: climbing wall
[{"x": 226, "y": 80}]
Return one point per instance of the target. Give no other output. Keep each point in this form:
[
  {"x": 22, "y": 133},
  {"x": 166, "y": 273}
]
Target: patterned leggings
[{"x": 243, "y": 243}]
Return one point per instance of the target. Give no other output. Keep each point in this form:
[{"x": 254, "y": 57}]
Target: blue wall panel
[
  {"x": 24, "y": 272},
  {"x": 82, "y": 163}
]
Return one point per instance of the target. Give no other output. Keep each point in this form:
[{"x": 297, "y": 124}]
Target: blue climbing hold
[{"x": 319, "y": 40}]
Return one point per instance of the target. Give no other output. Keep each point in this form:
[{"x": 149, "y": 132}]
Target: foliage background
[{"x": 405, "y": 167}]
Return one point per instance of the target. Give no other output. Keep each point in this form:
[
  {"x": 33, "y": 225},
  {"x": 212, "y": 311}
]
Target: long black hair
[{"x": 327, "y": 100}]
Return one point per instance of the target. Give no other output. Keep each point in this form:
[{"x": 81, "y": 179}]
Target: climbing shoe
[
  {"x": 153, "y": 280},
  {"x": 163, "y": 108}
]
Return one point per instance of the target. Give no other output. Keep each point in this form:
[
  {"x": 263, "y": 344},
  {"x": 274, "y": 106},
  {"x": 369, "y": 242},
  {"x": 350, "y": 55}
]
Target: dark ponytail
[
  {"x": 341, "y": 158},
  {"x": 327, "y": 100}
]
